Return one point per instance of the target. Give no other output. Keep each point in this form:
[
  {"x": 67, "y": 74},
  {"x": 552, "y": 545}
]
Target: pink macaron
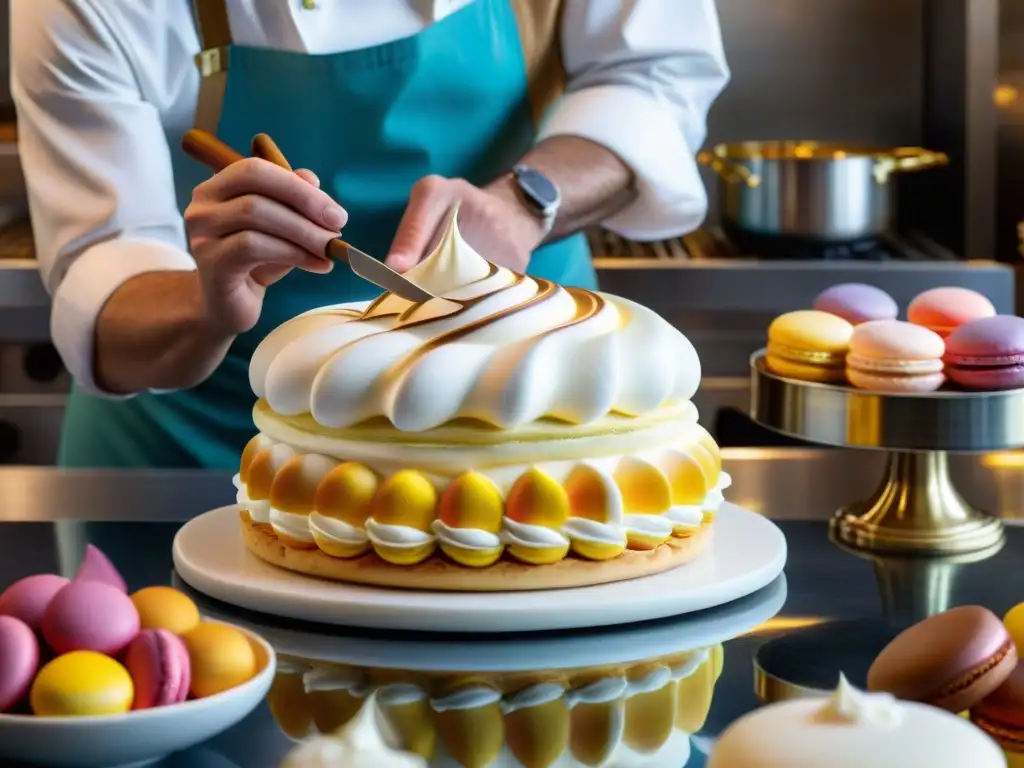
[
  {"x": 158, "y": 662},
  {"x": 97, "y": 567},
  {"x": 90, "y": 616},
  {"x": 943, "y": 310},
  {"x": 27, "y": 598},
  {"x": 987, "y": 354},
  {"x": 19, "y": 660},
  {"x": 857, "y": 303},
  {"x": 894, "y": 356}
]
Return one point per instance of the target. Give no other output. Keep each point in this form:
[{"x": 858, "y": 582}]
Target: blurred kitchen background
[{"x": 946, "y": 75}]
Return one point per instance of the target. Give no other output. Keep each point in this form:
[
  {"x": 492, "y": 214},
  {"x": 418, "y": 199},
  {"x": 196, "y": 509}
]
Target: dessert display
[
  {"x": 809, "y": 345},
  {"x": 948, "y": 380},
  {"x": 512, "y": 435},
  {"x": 630, "y": 714},
  {"x": 857, "y": 303},
  {"x": 987, "y": 354},
  {"x": 943, "y": 310},
  {"x": 951, "y": 660},
  {"x": 86, "y": 647},
  {"x": 894, "y": 356},
  {"x": 853, "y": 729}
]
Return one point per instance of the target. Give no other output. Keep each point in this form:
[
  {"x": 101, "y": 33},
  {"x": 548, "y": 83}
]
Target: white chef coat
[{"x": 99, "y": 85}]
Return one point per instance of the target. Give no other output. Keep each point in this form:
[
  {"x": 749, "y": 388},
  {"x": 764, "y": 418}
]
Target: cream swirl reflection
[{"x": 509, "y": 348}]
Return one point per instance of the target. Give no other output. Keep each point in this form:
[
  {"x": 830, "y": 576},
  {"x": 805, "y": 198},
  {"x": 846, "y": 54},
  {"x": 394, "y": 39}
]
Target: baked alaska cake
[{"x": 511, "y": 435}]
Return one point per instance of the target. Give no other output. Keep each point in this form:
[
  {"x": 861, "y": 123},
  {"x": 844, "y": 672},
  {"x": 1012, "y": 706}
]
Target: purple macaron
[
  {"x": 857, "y": 303},
  {"x": 987, "y": 353}
]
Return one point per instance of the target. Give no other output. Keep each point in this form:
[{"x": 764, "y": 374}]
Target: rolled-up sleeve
[
  {"x": 97, "y": 168},
  {"x": 642, "y": 75}
]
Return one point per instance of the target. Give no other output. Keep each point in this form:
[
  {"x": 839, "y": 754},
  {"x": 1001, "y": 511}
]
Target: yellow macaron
[
  {"x": 221, "y": 658},
  {"x": 809, "y": 345},
  {"x": 82, "y": 683},
  {"x": 166, "y": 608}
]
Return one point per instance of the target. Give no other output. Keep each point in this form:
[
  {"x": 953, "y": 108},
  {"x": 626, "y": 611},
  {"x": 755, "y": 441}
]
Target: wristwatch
[{"x": 538, "y": 193}]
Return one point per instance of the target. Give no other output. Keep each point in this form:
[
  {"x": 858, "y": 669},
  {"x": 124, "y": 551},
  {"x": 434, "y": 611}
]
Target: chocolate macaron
[
  {"x": 951, "y": 660},
  {"x": 1001, "y": 713}
]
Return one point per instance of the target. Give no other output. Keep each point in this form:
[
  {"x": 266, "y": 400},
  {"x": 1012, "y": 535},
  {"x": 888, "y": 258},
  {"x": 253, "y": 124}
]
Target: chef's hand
[
  {"x": 491, "y": 220},
  {"x": 248, "y": 227}
]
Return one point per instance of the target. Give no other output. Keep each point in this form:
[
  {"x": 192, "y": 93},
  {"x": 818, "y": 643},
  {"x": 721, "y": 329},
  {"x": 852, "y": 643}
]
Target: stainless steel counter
[
  {"x": 783, "y": 484},
  {"x": 825, "y": 586}
]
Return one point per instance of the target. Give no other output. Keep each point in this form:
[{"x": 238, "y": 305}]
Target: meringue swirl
[{"x": 509, "y": 349}]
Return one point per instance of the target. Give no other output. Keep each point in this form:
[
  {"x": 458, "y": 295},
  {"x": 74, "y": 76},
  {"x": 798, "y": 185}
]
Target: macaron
[
  {"x": 894, "y": 356},
  {"x": 1001, "y": 713},
  {"x": 808, "y": 345},
  {"x": 82, "y": 683},
  {"x": 158, "y": 662},
  {"x": 165, "y": 608},
  {"x": 19, "y": 660},
  {"x": 27, "y": 598},
  {"x": 90, "y": 616},
  {"x": 853, "y": 729},
  {"x": 221, "y": 658},
  {"x": 943, "y": 310},
  {"x": 857, "y": 303},
  {"x": 1014, "y": 623},
  {"x": 951, "y": 660},
  {"x": 97, "y": 567},
  {"x": 987, "y": 354}
]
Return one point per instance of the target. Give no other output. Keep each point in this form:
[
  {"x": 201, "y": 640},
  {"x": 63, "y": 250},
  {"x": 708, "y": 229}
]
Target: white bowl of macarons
[{"x": 93, "y": 676}]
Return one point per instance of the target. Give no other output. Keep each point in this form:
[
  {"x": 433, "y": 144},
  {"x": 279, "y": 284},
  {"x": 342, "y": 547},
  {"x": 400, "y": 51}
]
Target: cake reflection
[
  {"x": 630, "y": 696},
  {"x": 633, "y": 714}
]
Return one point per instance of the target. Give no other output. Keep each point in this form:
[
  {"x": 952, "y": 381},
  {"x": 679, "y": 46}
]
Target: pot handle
[
  {"x": 913, "y": 160},
  {"x": 731, "y": 173}
]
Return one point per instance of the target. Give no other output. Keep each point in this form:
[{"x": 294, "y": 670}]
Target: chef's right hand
[{"x": 248, "y": 227}]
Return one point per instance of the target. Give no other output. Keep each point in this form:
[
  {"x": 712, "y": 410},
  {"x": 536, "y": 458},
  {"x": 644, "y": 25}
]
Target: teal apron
[{"x": 452, "y": 100}]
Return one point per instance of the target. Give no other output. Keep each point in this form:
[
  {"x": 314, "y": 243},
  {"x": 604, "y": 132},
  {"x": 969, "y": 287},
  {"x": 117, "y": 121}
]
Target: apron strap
[
  {"x": 539, "y": 34},
  {"x": 214, "y": 32}
]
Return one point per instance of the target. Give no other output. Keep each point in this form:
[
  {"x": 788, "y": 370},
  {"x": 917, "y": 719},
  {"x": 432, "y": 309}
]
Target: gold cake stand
[{"x": 916, "y": 509}]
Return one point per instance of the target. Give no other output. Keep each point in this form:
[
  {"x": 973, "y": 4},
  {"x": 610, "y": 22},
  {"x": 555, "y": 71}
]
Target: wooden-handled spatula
[{"x": 208, "y": 149}]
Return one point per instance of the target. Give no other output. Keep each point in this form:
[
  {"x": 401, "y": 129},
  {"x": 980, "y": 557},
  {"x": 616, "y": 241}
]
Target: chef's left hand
[{"x": 491, "y": 220}]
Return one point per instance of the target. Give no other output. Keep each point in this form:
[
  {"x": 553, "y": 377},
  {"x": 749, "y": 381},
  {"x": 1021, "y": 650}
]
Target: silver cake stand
[{"x": 916, "y": 509}]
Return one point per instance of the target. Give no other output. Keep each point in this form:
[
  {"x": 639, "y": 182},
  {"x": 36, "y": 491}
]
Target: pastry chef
[{"x": 539, "y": 117}]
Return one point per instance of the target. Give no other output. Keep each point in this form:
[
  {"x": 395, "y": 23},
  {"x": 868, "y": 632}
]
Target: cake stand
[
  {"x": 916, "y": 509},
  {"x": 747, "y": 552}
]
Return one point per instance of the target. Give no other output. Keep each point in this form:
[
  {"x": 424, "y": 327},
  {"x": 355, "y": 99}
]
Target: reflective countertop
[{"x": 829, "y": 612}]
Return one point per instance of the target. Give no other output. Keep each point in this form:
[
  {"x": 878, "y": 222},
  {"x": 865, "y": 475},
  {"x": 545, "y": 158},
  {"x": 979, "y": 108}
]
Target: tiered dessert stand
[{"x": 916, "y": 509}]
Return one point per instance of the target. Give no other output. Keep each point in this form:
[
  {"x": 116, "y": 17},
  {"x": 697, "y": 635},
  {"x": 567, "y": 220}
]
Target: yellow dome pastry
[
  {"x": 511, "y": 434},
  {"x": 471, "y": 725},
  {"x": 408, "y": 711},
  {"x": 537, "y": 724},
  {"x": 288, "y": 701},
  {"x": 650, "y": 709},
  {"x": 597, "y": 721},
  {"x": 695, "y": 678},
  {"x": 335, "y": 695}
]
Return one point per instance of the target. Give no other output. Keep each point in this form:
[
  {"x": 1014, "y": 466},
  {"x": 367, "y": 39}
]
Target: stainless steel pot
[{"x": 828, "y": 192}]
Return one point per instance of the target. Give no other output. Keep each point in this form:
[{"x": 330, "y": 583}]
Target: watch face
[{"x": 537, "y": 187}]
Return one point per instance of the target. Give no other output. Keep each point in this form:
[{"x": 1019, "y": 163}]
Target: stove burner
[{"x": 794, "y": 248}]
